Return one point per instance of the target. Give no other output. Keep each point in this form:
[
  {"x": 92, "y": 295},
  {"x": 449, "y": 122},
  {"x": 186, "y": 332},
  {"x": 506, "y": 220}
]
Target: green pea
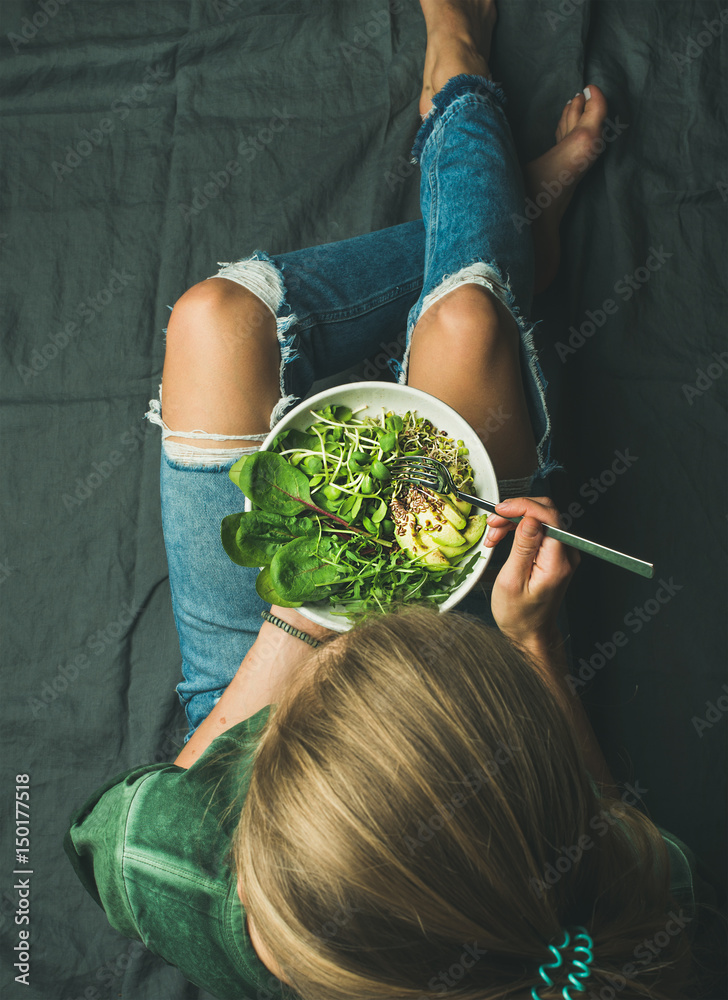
[{"x": 379, "y": 471}]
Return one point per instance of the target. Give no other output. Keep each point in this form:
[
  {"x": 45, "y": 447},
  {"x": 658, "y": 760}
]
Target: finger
[
  {"x": 543, "y": 509},
  {"x": 498, "y": 528},
  {"x": 526, "y": 544},
  {"x": 552, "y": 562},
  {"x": 494, "y": 535}
]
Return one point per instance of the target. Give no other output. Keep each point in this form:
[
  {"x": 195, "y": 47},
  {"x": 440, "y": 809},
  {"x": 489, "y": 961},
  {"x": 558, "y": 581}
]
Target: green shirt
[{"x": 151, "y": 847}]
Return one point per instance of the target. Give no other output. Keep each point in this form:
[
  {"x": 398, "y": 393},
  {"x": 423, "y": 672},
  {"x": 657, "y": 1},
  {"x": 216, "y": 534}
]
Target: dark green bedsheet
[{"x": 142, "y": 142}]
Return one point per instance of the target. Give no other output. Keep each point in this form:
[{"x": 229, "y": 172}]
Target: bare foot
[
  {"x": 459, "y": 33},
  {"x": 551, "y": 179}
]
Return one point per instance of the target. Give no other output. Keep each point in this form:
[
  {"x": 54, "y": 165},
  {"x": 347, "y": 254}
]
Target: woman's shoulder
[{"x": 151, "y": 846}]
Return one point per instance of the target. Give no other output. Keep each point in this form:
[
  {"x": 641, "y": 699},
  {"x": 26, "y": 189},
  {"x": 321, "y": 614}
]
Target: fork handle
[{"x": 583, "y": 544}]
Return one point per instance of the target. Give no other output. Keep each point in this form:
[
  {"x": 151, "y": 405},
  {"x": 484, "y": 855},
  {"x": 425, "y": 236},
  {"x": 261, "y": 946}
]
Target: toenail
[
  {"x": 569, "y": 102},
  {"x": 587, "y": 93}
]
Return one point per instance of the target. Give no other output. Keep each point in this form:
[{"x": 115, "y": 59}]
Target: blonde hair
[{"x": 407, "y": 801}]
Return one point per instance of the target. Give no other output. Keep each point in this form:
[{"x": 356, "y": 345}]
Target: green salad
[{"x": 330, "y": 521}]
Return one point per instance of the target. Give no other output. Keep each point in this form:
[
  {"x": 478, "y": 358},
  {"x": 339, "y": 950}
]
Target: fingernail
[
  {"x": 587, "y": 93},
  {"x": 489, "y": 532},
  {"x": 569, "y": 102},
  {"x": 578, "y": 94}
]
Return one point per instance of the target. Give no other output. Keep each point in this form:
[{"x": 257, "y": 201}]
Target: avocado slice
[
  {"x": 462, "y": 505},
  {"x": 424, "y": 501},
  {"x": 449, "y": 551},
  {"x": 436, "y": 558},
  {"x": 406, "y": 530},
  {"x": 475, "y": 528},
  {"x": 440, "y": 530}
]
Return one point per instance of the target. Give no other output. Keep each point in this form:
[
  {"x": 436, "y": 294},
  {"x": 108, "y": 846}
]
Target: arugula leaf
[
  {"x": 271, "y": 482},
  {"x": 258, "y": 535},
  {"x": 297, "y": 569},
  {"x": 266, "y": 590}
]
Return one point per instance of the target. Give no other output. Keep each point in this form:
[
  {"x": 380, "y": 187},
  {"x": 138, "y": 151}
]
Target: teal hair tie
[{"x": 579, "y": 967}]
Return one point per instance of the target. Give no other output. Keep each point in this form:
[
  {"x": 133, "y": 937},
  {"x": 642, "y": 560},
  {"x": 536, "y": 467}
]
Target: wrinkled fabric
[{"x": 141, "y": 143}]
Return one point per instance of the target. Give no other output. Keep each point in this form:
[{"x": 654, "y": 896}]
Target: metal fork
[{"x": 433, "y": 475}]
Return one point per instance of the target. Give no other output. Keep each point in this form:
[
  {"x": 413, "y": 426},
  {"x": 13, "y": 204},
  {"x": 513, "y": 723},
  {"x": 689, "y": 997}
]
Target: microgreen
[{"x": 320, "y": 527}]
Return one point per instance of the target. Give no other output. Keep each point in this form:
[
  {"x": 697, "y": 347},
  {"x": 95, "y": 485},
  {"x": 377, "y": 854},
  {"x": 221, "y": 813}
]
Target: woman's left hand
[{"x": 528, "y": 590}]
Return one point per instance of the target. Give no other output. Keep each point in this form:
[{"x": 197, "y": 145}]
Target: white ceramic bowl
[{"x": 389, "y": 396}]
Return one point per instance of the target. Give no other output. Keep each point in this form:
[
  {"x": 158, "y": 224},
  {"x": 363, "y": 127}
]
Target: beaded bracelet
[{"x": 297, "y": 632}]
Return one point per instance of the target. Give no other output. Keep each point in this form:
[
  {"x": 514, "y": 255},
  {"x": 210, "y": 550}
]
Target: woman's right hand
[{"x": 528, "y": 591}]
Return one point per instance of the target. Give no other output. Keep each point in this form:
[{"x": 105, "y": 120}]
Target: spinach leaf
[
  {"x": 228, "y": 532},
  {"x": 297, "y": 570},
  {"x": 271, "y": 482},
  {"x": 258, "y": 535},
  {"x": 266, "y": 590}
]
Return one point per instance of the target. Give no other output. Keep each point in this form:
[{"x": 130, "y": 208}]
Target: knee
[
  {"x": 206, "y": 304},
  {"x": 467, "y": 317},
  {"x": 205, "y": 299}
]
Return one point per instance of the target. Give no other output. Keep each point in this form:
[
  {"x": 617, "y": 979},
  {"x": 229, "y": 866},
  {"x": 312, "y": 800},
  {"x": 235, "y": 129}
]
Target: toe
[
  {"x": 576, "y": 109},
  {"x": 562, "y": 128},
  {"x": 595, "y": 108}
]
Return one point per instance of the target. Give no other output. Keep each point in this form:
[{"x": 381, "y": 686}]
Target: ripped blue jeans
[{"x": 335, "y": 306}]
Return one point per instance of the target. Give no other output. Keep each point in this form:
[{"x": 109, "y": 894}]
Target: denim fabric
[{"x": 335, "y": 306}]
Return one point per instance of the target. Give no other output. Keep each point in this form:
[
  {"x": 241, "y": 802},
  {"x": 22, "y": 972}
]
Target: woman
[{"x": 427, "y": 810}]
